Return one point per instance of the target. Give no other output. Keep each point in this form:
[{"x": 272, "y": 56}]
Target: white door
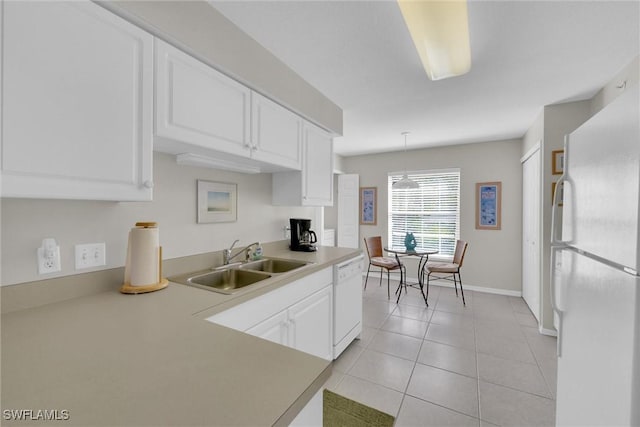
[
  {"x": 531, "y": 231},
  {"x": 311, "y": 325},
  {"x": 601, "y": 210},
  {"x": 348, "y": 210},
  {"x": 273, "y": 329},
  {"x": 599, "y": 340}
]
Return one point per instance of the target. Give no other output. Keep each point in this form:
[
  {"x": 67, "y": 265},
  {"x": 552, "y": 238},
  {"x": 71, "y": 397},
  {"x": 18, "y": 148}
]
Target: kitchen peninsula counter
[{"x": 120, "y": 360}]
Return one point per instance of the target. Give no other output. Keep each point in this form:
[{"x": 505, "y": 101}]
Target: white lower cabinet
[
  {"x": 77, "y": 103},
  {"x": 302, "y": 326},
  {"x": 298, "y": 315},
  {"x": 274, "y": 329},
  {"x": 309, "y": 330}
]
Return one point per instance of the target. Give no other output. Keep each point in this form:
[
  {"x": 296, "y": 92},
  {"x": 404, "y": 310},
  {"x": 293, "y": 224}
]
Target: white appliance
[
  {"x": 595, "y": 287},
  {"x": 347, "y": 303}
]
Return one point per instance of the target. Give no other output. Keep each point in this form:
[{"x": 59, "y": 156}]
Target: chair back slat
[
  {"x": 373, "y": 246},
  {"x": 461, "y": 248}
]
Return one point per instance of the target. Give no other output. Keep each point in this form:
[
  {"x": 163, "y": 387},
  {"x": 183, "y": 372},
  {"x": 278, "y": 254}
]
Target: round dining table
[{"x": 421, "y": 253}]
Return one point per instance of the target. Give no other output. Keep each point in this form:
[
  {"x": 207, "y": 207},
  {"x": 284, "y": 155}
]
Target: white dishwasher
[{"x": 347, "y": 303}]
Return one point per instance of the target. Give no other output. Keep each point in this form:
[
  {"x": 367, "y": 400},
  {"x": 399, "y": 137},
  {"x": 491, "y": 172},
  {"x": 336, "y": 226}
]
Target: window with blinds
[{"x": 431, "y": 212}]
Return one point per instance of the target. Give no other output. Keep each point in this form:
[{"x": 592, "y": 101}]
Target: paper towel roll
[{"x": 143, "y": 257}]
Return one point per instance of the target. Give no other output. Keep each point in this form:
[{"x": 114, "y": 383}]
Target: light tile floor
[{"x": 480, "y": 365}]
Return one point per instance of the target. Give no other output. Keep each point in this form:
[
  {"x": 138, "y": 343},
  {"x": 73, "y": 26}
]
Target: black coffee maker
[{"x": 302, "y": 237}]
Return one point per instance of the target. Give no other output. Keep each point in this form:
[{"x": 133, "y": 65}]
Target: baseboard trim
[{"x": 475, "y": 288}]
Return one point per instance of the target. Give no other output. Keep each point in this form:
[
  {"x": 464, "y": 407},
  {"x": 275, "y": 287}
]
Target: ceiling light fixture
[
  {"x": 440, "y": 31},
  {"x": 405, "y": 183}
]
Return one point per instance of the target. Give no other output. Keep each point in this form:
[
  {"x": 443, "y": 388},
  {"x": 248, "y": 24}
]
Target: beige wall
[
  {"x": 493, "y": 259},
  {"x": 26, "y": 222},
  {"x": 198, "y": 28}
]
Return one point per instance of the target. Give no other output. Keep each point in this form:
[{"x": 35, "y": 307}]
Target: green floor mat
[{"x": 339, "y": 411}]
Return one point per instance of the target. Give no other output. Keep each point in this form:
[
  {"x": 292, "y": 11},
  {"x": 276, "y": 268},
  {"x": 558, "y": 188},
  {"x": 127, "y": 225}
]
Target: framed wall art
[
  {"x": 488, "y": 205},
  {"x": 217, "y": 202},
  {"x": 368, "y": 205},
  {"x": 557, "y": 162}
]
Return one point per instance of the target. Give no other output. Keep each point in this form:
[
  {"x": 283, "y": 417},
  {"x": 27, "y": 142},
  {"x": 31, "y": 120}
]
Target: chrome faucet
[{"x": 226, "y": 254}]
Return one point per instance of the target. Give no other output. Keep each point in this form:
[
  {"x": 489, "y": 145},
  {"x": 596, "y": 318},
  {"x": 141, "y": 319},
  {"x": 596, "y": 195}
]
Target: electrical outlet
[
  {"x": 49, "y": 257},
  {"x": 90, "y": 255}
]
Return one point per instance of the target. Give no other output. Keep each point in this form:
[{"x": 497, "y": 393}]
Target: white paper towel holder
[{"x": 163, "y": 283}]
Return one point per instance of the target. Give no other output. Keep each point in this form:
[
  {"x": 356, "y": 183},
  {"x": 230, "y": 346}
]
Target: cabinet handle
[{"x": 148, "y": 184}]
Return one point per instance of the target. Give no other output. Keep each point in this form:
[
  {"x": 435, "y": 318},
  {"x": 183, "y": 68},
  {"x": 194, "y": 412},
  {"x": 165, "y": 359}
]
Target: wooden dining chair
[
  {"x": 377, "y": 259},
  {"x": 449, "y": 271}
]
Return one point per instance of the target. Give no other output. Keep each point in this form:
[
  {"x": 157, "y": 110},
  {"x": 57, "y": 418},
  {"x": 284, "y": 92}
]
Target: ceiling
[{"x": 525, "y": 55}]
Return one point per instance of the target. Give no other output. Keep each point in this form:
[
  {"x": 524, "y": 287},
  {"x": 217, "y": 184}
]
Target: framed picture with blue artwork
[
  {"x": 217, "y": 202},
  {"x": 368, "y": 205},
  {"x": 488, "y": 205}
]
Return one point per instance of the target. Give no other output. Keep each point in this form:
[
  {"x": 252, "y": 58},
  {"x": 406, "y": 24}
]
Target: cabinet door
[
  {"x": 77, "y": 104},
  {"x": 317, "y": 171},
  {"x": 276, "y": 133},
  {"x": 199, "y": 106},
  {"x": 273, "y": 329},
  {"x": 311, "y": 324}
]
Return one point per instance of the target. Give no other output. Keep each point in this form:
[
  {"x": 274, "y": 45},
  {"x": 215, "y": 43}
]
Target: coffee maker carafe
[{"x": 302, "y": 237}]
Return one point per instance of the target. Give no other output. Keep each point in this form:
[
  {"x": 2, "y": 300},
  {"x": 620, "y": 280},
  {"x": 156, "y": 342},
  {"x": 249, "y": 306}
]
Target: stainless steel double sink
[{"x": 230, "y": 279}]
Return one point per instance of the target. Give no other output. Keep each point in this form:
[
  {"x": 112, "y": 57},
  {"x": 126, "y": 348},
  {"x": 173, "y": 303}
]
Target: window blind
[{"x": 431, "y": 212}]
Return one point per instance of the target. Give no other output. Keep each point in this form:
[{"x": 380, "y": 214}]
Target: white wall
[
  {"x": 26, "y": 222},
  {"x": 629, "y": 74},
  {"x": 493, "y": 259}
]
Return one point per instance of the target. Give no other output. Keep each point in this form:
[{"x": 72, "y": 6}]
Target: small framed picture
[
  {"x": 560, "y": 196},
  {"x": 557, "y": 162},
  {"x": 217, "y": 202},
  {"x": 488, "y": 205},
  {"x": 368, "y": 205}
]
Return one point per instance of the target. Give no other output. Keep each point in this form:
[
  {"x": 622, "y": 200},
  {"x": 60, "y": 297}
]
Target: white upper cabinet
[
  {"x": 77, "y": 98},
  {"x": 317, "y": 179},
  {"x": 197, "y": 106},
  {"x": 276, "y": 133},
  {"x": 203, "y": 112},
  {"x": 313, "y": 186}
]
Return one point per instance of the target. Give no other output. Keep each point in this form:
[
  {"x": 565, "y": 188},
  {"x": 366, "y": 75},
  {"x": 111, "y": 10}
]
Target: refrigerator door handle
[
  {"x": 552, "y": 295},
  {"x": 555, "y": 240}
]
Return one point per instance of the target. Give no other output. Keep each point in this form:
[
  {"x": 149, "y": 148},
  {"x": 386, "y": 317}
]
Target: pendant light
[{"x": 405, "y": 183}]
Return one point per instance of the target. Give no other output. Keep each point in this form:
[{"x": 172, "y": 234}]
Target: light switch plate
[{"x": 90, "y": 255}]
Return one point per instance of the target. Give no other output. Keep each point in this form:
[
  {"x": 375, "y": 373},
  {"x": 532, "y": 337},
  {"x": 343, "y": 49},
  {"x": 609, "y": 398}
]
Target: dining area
[{"x": 426, "y": 271}]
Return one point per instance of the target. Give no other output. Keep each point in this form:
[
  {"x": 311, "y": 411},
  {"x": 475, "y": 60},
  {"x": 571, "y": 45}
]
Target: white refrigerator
[{"x": 595, "y": 258}]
